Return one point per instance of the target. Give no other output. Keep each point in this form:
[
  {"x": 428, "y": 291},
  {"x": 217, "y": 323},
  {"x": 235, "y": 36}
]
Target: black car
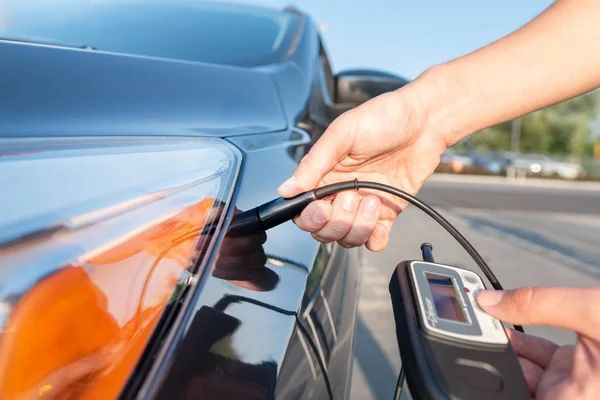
[{"x": 126, "y": 128}]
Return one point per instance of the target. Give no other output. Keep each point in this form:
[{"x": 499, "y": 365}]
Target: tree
[{"x": 559, "y": 129}]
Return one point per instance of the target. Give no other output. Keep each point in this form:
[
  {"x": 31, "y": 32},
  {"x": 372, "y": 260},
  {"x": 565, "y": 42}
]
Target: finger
[
  {"x": 569, "y": 308},
  {"x": 345, "y": 206},
  {"x": 331, "y": 147},
  {"x": 563, "y": 358},
  {"x": 533, "y": 348},
  {"x": 559, "y": 372},
  {"x": 380, "y": 237},
  {"x": 533, "y": 373},
  {"x": 314, "y": 216},
  {"x": 364, "y": 223}
]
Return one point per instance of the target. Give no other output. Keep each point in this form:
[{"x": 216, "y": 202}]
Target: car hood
[{"x": 55, "y": 91}]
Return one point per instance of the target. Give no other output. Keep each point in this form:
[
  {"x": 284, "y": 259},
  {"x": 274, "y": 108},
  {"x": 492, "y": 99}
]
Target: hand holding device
[
  {"x": 553, "y": 371},
  {"x": 387, "y": 139}
]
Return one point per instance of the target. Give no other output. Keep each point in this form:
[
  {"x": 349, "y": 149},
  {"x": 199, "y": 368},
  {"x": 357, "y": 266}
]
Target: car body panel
[
  {"x": 51, "y": 91},
  {"x": 262, "y": 336},
  {"x": 286, "y": 327},
  {"x": 185, "y": 30}
]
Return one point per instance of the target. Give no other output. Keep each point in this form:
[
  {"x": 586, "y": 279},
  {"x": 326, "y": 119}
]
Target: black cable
[
  {"x": 399, "y": 384},
  {"x": 335, "y": 188},
  {"x": 281, "y": 210},
  {"x": 350, "y": 185}
]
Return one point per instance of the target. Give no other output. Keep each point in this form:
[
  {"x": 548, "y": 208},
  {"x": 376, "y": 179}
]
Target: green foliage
[
  {"x": 588, "y": 150},
  {"x": 559, "y": 129}
]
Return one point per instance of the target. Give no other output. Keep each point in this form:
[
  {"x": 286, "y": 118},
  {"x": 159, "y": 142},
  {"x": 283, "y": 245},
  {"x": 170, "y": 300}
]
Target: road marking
[
  {"x": 375, "y": 295},
  {"x": 374, "y": 279},
  {"x": 530, "y": 182},
  {"x": 375, "y": 305}
]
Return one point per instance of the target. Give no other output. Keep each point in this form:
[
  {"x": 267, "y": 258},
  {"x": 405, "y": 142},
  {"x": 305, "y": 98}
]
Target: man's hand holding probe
[
  {"x": 388, "y": 140},
  {"x": 399, "y": 137}
]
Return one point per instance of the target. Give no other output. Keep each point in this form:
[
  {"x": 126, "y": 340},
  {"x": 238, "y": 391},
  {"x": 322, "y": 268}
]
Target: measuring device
[{"x": 450, "y": 348}]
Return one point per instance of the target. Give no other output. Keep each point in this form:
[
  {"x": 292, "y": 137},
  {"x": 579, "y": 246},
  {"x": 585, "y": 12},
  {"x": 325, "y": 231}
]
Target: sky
[{"x": 407, "y": 37}]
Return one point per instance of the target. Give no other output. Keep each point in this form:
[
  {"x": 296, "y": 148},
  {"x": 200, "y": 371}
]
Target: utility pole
[{"x": 516, "y": 135}]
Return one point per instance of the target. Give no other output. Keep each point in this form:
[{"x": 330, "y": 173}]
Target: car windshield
[{"x": 190, "y": 31}]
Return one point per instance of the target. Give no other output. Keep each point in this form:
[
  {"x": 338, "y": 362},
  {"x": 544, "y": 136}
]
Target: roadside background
[
  {"x": 521, "y": 192},
  {"x": 531, "y": 233},
  {"x": 406, "y": 38}
]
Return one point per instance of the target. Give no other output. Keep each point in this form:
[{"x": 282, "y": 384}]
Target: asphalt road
[{"x": 531, "y": 234}]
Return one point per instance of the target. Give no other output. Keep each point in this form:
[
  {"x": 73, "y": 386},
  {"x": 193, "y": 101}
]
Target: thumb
[
  {"x": 333, "y": 145},
  {"x": 569, "y": 308}
]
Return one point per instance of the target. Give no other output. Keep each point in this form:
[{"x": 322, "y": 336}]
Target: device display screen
[{"x": 445, "y": 298}]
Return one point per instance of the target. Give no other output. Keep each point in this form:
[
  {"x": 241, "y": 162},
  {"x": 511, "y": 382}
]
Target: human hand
[
  {"x": 553, "y": 371},
  {"x": 387, "y": 139}
]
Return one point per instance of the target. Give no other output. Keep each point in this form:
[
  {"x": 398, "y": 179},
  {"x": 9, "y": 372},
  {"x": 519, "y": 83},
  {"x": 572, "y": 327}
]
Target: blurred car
[
  {"x": 494, "y": 163},
  {"x": 543, "y": 165},
  {"x": 562, "y": 169},
  {"x": 456, "y": 162},
  {"x": 129, "y": 127},
  {"x": 531, "y": 163}
]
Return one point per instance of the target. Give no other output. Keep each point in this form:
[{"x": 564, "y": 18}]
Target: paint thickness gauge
[{"x": 450, "y": 348}]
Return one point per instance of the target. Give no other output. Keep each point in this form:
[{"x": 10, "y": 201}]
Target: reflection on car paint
[
  {"x": 210, "y": 360},
  {"x": 241, "y": 261},
  {"x": 264, "y": 339}
]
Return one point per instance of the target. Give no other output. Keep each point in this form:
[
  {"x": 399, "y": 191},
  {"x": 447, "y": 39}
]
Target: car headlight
[{"x": 97, "y": 236}]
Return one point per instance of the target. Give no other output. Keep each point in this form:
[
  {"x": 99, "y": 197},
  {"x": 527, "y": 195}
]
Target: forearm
[{"x": 553, "y": 58}]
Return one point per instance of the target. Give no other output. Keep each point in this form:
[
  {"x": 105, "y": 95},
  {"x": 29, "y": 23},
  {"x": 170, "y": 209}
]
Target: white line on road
[
  {"x": 375, "y": 294},
  {"x": 529, "y": 182}
]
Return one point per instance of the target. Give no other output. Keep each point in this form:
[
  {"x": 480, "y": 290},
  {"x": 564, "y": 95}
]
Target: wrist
[{"x": 441, "y": 98}]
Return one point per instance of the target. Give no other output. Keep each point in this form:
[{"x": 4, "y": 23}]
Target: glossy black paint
[
  {"x": 281, "y": 323},
  {"x": 266, "y": 333}
]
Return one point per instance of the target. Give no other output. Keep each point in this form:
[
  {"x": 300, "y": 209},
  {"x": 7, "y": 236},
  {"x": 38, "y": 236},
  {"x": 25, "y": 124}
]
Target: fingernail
[
  {"x": 370, "y": 208},
  {"x": 287, "y": 187},
  {"x": 320, "y": 216},
  {"x": 350, "y": 202},
  {"x": 489, "y": 298}
]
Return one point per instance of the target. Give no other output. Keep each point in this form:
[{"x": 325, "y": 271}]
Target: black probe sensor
[{"x": 280, "y": 210}]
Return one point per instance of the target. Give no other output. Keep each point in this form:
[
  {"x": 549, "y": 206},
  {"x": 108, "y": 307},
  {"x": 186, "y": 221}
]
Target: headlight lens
[{"x": 96, "y": 235}]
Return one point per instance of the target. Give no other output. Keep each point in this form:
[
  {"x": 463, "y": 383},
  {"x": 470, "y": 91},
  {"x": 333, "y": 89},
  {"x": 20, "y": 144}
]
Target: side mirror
[{"x": 354, "y": 87}]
